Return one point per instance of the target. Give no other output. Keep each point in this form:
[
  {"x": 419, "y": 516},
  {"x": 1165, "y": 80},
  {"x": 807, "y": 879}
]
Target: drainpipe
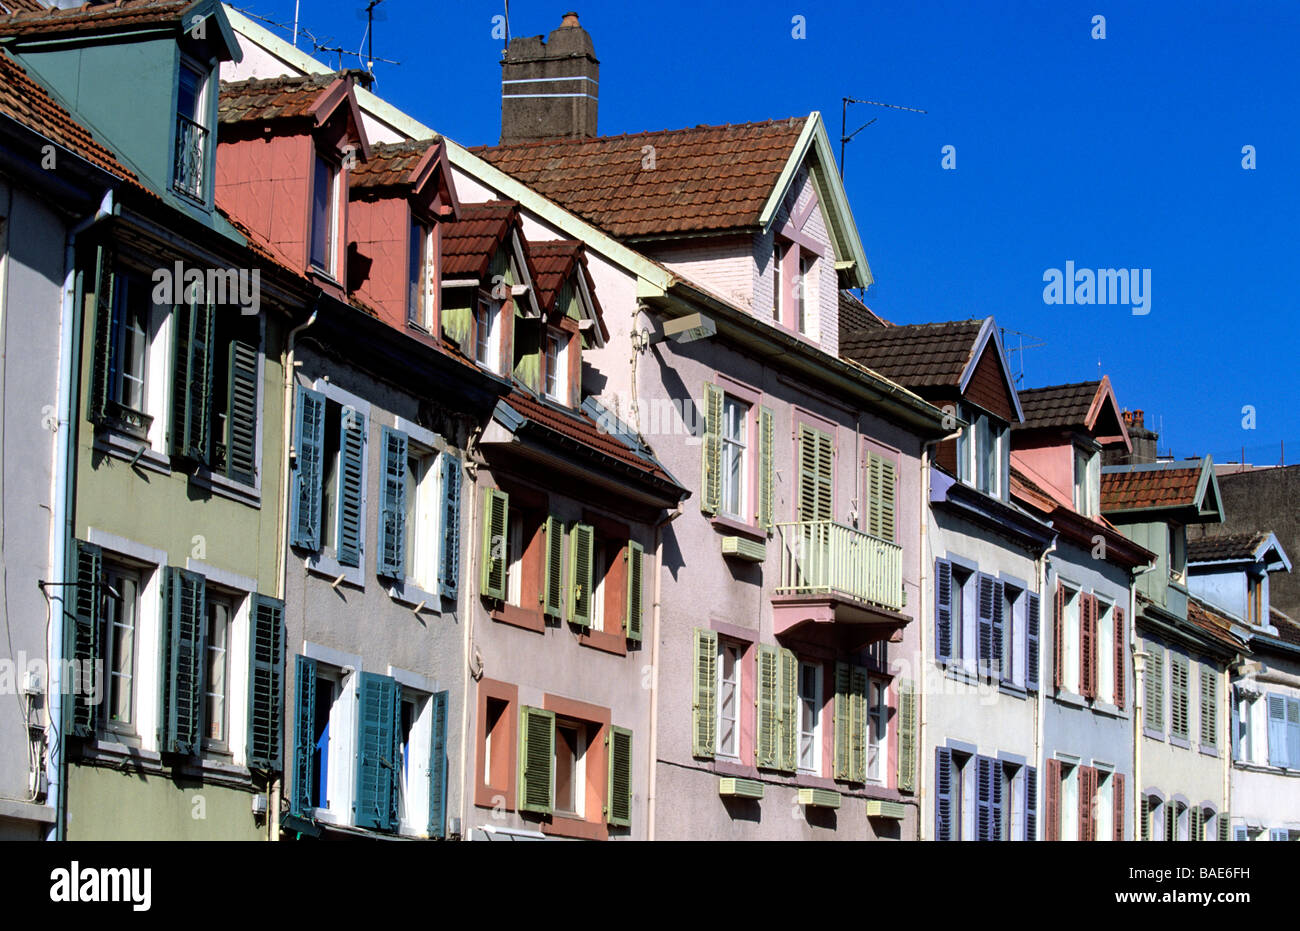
[
  {"x": 1040, "y": 703},
  {"x": 1139, "y": 697},
  {"x": 64, "y": 505},
  {"x": 654, "y": 668},
  {"x": 469, "y": 655}
]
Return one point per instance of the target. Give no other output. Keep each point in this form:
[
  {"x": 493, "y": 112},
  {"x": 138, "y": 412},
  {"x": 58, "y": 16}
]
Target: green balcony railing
[{"x": 822, "y": 557}]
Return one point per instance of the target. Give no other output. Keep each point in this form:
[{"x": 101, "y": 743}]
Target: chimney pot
[{"x": 570, "y": 19}]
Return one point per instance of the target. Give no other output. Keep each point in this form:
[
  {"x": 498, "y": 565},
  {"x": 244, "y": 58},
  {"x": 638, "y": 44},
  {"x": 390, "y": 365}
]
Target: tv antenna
[
  {"x": 1025, "y": 342},
  {"x": 372, "y": 15},
  {"x": 845, "y": 136}
]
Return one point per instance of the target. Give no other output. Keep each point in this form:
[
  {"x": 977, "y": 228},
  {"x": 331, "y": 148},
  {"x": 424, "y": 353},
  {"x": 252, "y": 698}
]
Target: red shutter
[
  {"x": 1053, "y": 825},
  {"x": 1058, "y": 639},
  {"x": 1087, "y": 646},
  {"x": 1121, "y": 651},
  {"x": 1117, "y": 805},
  {"x": 1087, "y": 803}
]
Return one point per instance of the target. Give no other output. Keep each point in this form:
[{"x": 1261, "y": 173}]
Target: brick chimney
[
  {"x": 1143, "y": 440},
  {"x": 549, "y": 87}
]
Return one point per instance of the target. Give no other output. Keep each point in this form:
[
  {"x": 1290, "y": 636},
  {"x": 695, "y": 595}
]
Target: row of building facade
[{"x": 560, "y": 488}]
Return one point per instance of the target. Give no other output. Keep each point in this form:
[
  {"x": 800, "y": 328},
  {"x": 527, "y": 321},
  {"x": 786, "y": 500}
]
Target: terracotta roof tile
[
  {"x": 915, "y": 355},
  {"x": 1127, "y": 489},
  {"x": 469, "y": 242},
  {"x": 1211, "y": 621},
  {"x": 1057, "y": 405},
  {"x": 1288, "y": 631},
  {"x": 706, "y": 179},
  {"x": 1224, "y": 546},
  {"x": 23, "y": 6},
  {"x": 553, "y": 263},
  {"x": 390, "y": 164},
  {"x": 280, "y": 98},
  {"x": 856, "y": 316},
  {"x": 86, "y": 18}
]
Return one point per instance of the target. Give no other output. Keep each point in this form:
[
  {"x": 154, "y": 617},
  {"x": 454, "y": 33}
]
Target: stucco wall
[
  {"x": 116, "y": 804},
  {"x": 1261, "y": 794}
]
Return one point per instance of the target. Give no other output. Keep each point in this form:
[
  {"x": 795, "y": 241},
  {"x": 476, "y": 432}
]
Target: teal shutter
[
  {"x": 536, "y": 760},
  {"x": 241, "y": 414},
  {"x": 184, "y": 618},
  {"x": 766, "y": 468},
  {"x": 265, "y": 682},
  {"x": 581, "y": 554},
  {"x": 192, "y": 380},
  {"x": 496, "y": 524},
  {"x": 83, "y": 643},
  {"x": 304, "y": 736},
  {"x": 352, "y": 474},
  {"x": 711, "y": 465},
  {"x": 553, "y": 578},
  {"x": 438, "y": 767},
  {"x": 392, "y": 506},
  {"x": 704, "y": 706},
  {"x": 449, "y": 559},
  {"x": 618, "y": 804},
  {"x": 101, "y": 366},
  {"x": 635, "y": 568},
  {"x": 306, "y": 486},
  {"x": 378, "y": 756}
]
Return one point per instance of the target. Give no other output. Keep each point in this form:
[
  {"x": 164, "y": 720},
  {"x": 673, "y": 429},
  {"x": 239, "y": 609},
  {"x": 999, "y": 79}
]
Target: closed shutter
[
  {"x": 241, "y": 413},
  {"x": 1209, "y": 707},
  {"x": 789, "y": 711},
  {"x": 1031, "y": 803},
  {"x": 304, "y": 736},
  {"x": 766, "y": 468},
  {"x": 392, "y": 506},
  {"x": 449, "y": 558},
  {"x": 881, "y": 497},
  {"x": 83, "y": 644},
  {"x": 704, "y": 703},
  {"x": 496, "y": 520},
  {"x": 352, "y": 443},
  {"x": 1225, "y": 827},
  {"x": 1293, "y": 733},
  {"x": 635, "y": 607},
  {"x": 1058, "y": 639},
  {"x": 1033, "y": 618},
  {"x": 378, "y": 751},
  {"x": 711, "y": 464},
  {"x": 184, "y": 613},
  {"x": 536, "y": 760},
  {"x": 816, "y": 474},
  {"x": 944, "y": 816},
  {"x": 906, "y": 737},
  {"x": 843, "y": 724},
  {"x": 618, "y": 806},
  {"x": 1194, "y": 823},
  {"x": 1277, "y": 749},
  {"x": 983, "y": 798},
  {"x": 1117, "y": 806},
  {"x": 985, "y": 621},
  {"x": 858, "y": 694},
  {"x": 265, "y": 682},
  {"x": 1144, "y": 818},
  {"x": 943, "y": 633},
  {"x": 1121, "y": 658},
  {"x": 582, "y": 543},
  {"x": 438, "y": 766},
  {"x": 995, "y": 804},
  {"x": 101, "y": 364},
  {"x": 1087, "y": 646},
  {"x": 767, "y": 750},
  {"x": 1053, "y": 813},
  {"x": 1087, "y": 803},
  {"x": 308, "y": 462},
  {"x": 192, "y": 380},
  {"x": 1154, "y": 713},
  {"x": 1179, "y": 703},
  {"x": 999, "y": 632},
  {"x": 553, "y": 580}
]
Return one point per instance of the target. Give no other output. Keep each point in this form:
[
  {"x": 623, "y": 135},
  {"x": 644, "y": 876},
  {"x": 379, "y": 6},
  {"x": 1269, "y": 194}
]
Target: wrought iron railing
[
  {"x": 823, "y": 557},
  {"x": 191, "y": 157}
]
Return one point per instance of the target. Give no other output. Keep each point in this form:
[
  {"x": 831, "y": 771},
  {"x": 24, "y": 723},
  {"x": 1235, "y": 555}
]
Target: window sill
[
  {"x": 486, "y": 796},
  {"x": 520, "y": 617},
  {"x": 228, "y": 488},
  {"x": 577, "y": 828},
  {"x": 606, "y": 642},
  {"x": 1010, "y": 688},
  {"x": 1182, "y": 742},
  {"x": 959, "y": 673},
  {"x": 329, "y": 567},
  {"x": 1153, "y": 735},
  {"x": 121, "y": 447},
  {"x": 415, "y": 597},
  {"x": 725, "y": 524},
  {"x": 1211, "y": 751},
  {"x": 1111, "y": 711},
  {"x": 1073, "y": 699}
]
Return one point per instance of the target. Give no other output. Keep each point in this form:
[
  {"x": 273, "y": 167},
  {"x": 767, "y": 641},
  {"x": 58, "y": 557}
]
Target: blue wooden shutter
[
  {"x": 438, "y": 767},
  {"x": 304, "y": 736},
  {"x": 943, "y": 609},
  {"x": 995, "y": 803},
  {"x": 449, "y": 561},
  {"x": 184, "y": 617},
  {"x": 985, "y": 617},
  {"x": 241, "y": 413},
  {"x": 999, "y": 631},
  {"x": 83, "y": 643},
  {"x": 101, "y": 369},
  {"x": 943, "y": 813},
  {"x": 1277, "y": 755},
  {"x": 265, "y": 684},
  {"x": 392, "y": 506},
  {"x": 1293, "y": 733},
  {"x": 309, "y": 428},
  {"x": 377, "y": 762},
  {"x": 1033, "y": 612},
  {"x": 1031, "y": 803},
  {"x": 352, "y": 452},
  {"x": 983, "y": 798}
]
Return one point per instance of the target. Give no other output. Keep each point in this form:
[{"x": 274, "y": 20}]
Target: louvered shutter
[
  {"x": 241, "y": 413},
  {"x": 906, "y": 737},
  {"x": 711, "y": 465},
  {"x": 184, "y": 614},
  {"x": 943, "y": 633},
  {"x": 496, "y": 522},
  {"x": 816, "y": 474},
  {"x": 943, "y": 808},
  {"x": 635, "y": 607},
  {"x": 766, "y": 468},
  {"x": 843, "y": 724},
  {"x": 985, "y": 621},
  {"x": 789, "y": 711},
  {"x": 377, "y": 757},
  {"x": 1144, "y": 818},
  {"x": 265, "y": 685},
  {"x": 983, "y": 798},
  {"x": 1031, "y": 803},
  {"x": 1225, "y": 827},
  {"x": 1053, "y": 813},
  {"x": 582, "y": 543},
  {"x": 83, "y": 644},
  {"x": 1033, "y": 618},
  {"x": 859, "y": 686},
  {"x": 536, "y": 760},
  {"x": 1087, "y": 645},
  {"x": 1154, "y": 712},
  {"x": 618, "y": 805},
  {"x": 102, "y": 374},
  {"x": 1293, "y": 733},
  {"x": 392, "y": 505},
  {"x": 1171, "y": 820},
  {"x": 1087, "y": 777},
  {"x": 1058, "y": 640},
  {"x": 449, "y": 558},
  {"x": 995, "y": 803},
  {"x": 438, "y": 766},
  {"x": 767, "y": 749},
  {"x": 192, "y": 380},
  {"x": 1179, "y": 703},
  {"x": 999, "y": 625},
  {"x": 308, "y": 464},
  {"x": 1117, "y": 806},
  {"x": 553, "y": 579},
  {"x": 881, "y": 493},
  {"x": 352, "y": 442},
  {"x": 1209, "y": 707},
  {"x": 1277, "y": 749},
  {"x": 1121, "y": 658},
  {"x": 304, "y": 736},
  {"x": 1195, "y": 820},
  {"x": 704, "y": 704}
]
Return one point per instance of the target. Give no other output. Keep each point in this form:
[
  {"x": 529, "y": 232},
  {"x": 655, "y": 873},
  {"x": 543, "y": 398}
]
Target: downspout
[
  {"x": 469, "y": 654},
  {"x": 1040, "y": 703},
  {"x": 654, "y": 668},
  {"x": 1139, "y": 697},
  {"x": 64, "y": 513}
]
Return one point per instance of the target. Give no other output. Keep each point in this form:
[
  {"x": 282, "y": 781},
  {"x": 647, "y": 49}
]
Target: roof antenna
[
  {"x": 371, "y": 15},
  {"x": 845, "y": 136},
  {"x": 1034, "y": 343}
]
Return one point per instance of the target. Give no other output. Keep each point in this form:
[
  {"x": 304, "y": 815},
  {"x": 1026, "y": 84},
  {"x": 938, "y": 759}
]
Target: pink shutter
[
  {"x": 1087, "y": 803},
  {"x": 1087, "y": 645},
  {"x": 1053, "y": 825},
  {"x": 1121, "y": 651},
  {"x": 1058, "y": 639}
]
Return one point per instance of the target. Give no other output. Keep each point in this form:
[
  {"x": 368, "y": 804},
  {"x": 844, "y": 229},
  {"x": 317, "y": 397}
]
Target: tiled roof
[
  {"x": 706, "y": 179},
  {"x": 469, "y": 242},
  {"x": 1126, "y": 490},
  {"x": 28, "y": 103},
  {"x": 1224, "y": 546},
  {"x": 281, "y": 98},
  {"x": 22, "y": 6},
  {"x": 1211, "y": 621},
  {"x": 390, "y": 164},
  {"x": 86, "y": 18},
  {"x": 855, "y": 316},
  {"x": 553, "y": 262},
  {"x": 916, "y": 355},
  {"x": 1288, "y": 630},
  {"x": 1057, "y": 406}
]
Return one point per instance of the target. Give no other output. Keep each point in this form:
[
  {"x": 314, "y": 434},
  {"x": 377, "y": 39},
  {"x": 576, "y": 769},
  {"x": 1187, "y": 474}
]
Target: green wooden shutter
[
  {"x": 352, "y": 477},
  {"x": 449, "y": 557},
  {"x": 906, "y": 737},
  {"x": 1224, "y": 825},
  {"x": 377, "y": 759},
  {"x": 881, "y": 493},
  {"x": 309, "y": 457},
  {"x": 536, "y": 760},
  {"x": 265, "y": 685},
  {"x": 101, "y": 366},
  {"x": 581, "y": 555},
  {"x": 711, "y": 468},
  {"x": 635, "y": 569},
  {"x": 496, "y": 521},
  {"x": 704, "y": 707},
  {"x": 184, "y": 616},
  {"x": 843, "y": 723},
  {"x": 858, "y": 693},
  {"x": 1209, "y": 707},
  {"x": 304, "y": 736},
  {"x": 1195, "y": 823},
  {"x": 1179, "y": 703},
  {"x": 241, "y": 413},
  {"x": 766, "y": 468},
  {"x": 192, "y": 380},
  {"x": 816, "y": 474},
  {"x": 83, "y": 642},
  {"x": 618, "y": 805},
  {"x": 767, "y": 747},
  {"x": 392, "y": 506},
  {"x": 1154, "y": 713},
  {"x": 438, "y": 767},
  {"x": 789, "y": 711},
  {"x": 1144, "y": 818},
  {"x": 553, "y": 579},
  {"x": 1171, "y": 820}
]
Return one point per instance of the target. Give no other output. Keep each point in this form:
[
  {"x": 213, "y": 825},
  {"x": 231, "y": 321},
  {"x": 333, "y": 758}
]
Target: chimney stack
[
  {"x": 1143, "y": 440},
  {"x": 549, "y": 87}
]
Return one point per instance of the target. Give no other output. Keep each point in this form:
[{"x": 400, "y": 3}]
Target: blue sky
[{"x": 1119, "y": 152}]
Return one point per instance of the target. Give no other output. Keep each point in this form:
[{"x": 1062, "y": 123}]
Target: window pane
[
  {"x": 322, "y": 215},
  {"x": 122, "y": 621},
  {"x": 187, "y": 100},
  {"x": 215, "y": 704},
  {"x": 415, "y": 264}
]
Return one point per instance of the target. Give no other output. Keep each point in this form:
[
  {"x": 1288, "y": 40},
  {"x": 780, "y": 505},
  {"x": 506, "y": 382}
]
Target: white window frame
[
  {"x": 556, "y": 379},
  {"x": 1105, "y": 651},
  {"x": 115, "y": 573},
  {"x": 724, "y": 647},
  {"x": 735, "y": 445},
  {"x": 877, "y": 730},
  {"x": 1069, "y": 807},
  {"x": 202, "y": 111},
  {"x": 332, "y": 218},
  {"x": 340, "y": 775},
  {"x": 1104, "y": 803},
  {"x": 236, "y": 589},
  {"x": 325, "y": 562},
  {"x": 424, "y": 540},
  {"x": 231, "y": 604},
  {"x": 514, "y": 557},
  {"x": 815, "y": 734},
  {"x": 487, "y": 333},
  {"x": 422, "y": 314},
  {"x": 1071, "y": 632},
  {"x": 1243, "y": 708},
  {"x": 414, "y": 781}
]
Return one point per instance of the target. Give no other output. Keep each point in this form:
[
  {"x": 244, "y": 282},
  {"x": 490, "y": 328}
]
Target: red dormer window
[{"x": 325, "y": 216}]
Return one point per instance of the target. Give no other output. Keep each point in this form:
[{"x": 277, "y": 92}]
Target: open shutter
[
  {"x": 536, "y": 760},
  {"x": 352, "y": 444},
  {"x": 635, "y": 608},
  {"x": 843, "y": 724},
  {"x": 766, "y": 468},
  {"x": 711, "y": 466},
  {"x": 858, "y": 692},
  {"x": 1195, "y": 823},
  {"x": 767, "y": 748},
  {"x": 943, "y": 633},
  {"x": 101, "y": 365},
  {"x": 1224, "y": 824},
  {"x": 1293, "y": 733},
  {"x": 1033, "y": 617},
  {"x": 1154, "y": 712},
  {"x": 438, "y": 767},
  {"x": 1121, "y": 654},
  {"x": 1087, "y": 803},
  {"x": 906, "y": 737},
  {"x": 983, "y": 798},
  {"x": 552, "y": 596},
  {"x": 241, "y": 413},
  {"x": 1171, "y": 820},
  {"x": 1058, "y": 639},
  {"x": 392, "y": 506},
  {"x": 943, "y": 776},
  {"x": 618, "y": 805},
  {"x": 1031, "y": 803},
  {"x": 1144, "y": 818},
  {"x": 985, "y": 619},
  {"x": 310, "y": 453},
  {"x": 999, "y": 632},
  {"x": 265, "y": 683},
  {"x": 83, "y": 644},
  {"x": 704, "y": 707},
  {"x": 377, "y": 762},
  {"x": 192, "y": 379},
  {"x": 1088, "y": 646},
  {"x": 496, "y": 521},
  {"x": 1117, "y": 806},
  {"x": 582, "y": 542},
  {"x": 304, "y": 736},
  {"x": 184, "y": 614},
  {"x": 1209, "y": 707},
  {"x": 1052, "y": 829},
  {"x": 449, "y": 558},
  {"x": 996, "y": 802},
  {"x": 1277, "y": 750},
  {"x": 1178, "y": 696},
  {"x": 789, "y": 711}
]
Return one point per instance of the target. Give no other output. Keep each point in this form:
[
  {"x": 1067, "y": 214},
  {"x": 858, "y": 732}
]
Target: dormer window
[
  {"x": 420, "y": 265},
  {"x": 793, "y": 297},
  {"x": 189, "y": 171},
  {"x": 1087, "y": 481},
  {"x": 983, "y": 452},
  {"x": 557, "y": 366},
  {"x": 802, "y": 297},
  {"x": 324, "y": 215}
]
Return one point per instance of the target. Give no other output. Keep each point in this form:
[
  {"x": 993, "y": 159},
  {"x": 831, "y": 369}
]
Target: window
[
  {"x": 1105, "y": 664},
  {"x": 735, "y": 420},
  {"x": 561, "y": 775},
  {"x": 1087, "y": 481},
  {"x": 877, "y": 731},
  {"x": 963, "y": 596},
  {"x": 1283, "y": 731},
  {"x": 1011, "y": 812},
  {"x": 1070, "y": 640},
  {"x": 329, "y": 478},
  {"x": 131, "y": 346},
  {"x": 497, "y": 711},
  {"x": 778, "y": 298},
  {"x": 1243, "y": 712},
  {"x": 570, "y": 769},
  {"x": 557, "y": 366},
  {"x": 1176, "y": 826},
  {"x": 1179, "y": 698},
  {"x": 487, "y": 339},
  {"x": 515, "y": 558},
  {"x": 1069, "y": 811},
  {"x": 1255, "y": 599},
  {"x": 729, "y": 701},
  {"x": 407, "y": 716},
  {"x": 421, "y": 288},
  {"x": 232, "y": 416},
  {"x": 1013, "y": 625},
  {"x": 121, "y": 613},
  {"x": 810, "y": 704},
  {"x": 324, "y": 215},
  {"x": 189, "y": 167},
  {"x": 423, "y": 500},
  {"x": 950, "y": 810},
  {"x": 804, "y": 294},
  {"x": 982, "y": 452},
  {"x": 216, "y": 673},
  {"x": 1103, "y": 819},
  {"x": 128, "y": 390}
]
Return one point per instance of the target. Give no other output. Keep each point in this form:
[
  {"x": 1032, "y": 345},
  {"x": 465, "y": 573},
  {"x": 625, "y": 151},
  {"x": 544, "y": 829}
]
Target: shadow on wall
[{"x": 743, "y": 809}]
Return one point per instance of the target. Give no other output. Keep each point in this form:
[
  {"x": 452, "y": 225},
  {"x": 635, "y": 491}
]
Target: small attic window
[
  {"x": 324, "y": 214},
  {"x": 190, "y": 164}
]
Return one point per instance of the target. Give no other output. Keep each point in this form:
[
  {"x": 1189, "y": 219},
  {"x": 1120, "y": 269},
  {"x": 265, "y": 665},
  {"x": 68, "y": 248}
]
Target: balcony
[
  {"x": 191, "y": 157},
  {"x": 838, "y": 586}
]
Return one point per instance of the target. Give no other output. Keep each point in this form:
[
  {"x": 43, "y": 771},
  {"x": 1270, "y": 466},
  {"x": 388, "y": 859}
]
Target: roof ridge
[{"x": 578, "y": 140}]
